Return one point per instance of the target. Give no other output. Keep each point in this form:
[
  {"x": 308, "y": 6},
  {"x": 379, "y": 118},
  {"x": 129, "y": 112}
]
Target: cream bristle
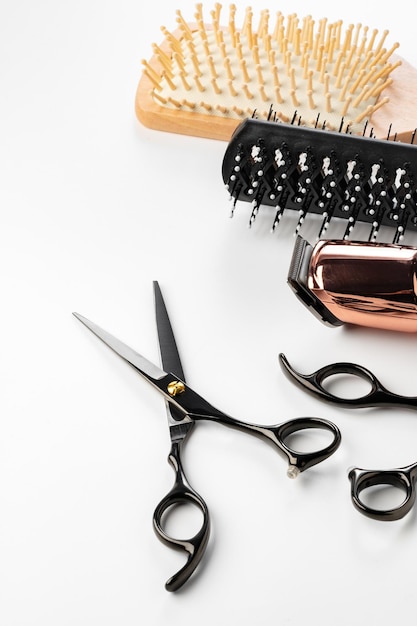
[
  {"x": 227, "y": 65},
  {"x": 187, "y": 103},
  {"x": 340, "y": 74},
  {"x": 248, "y": 93},
  {"x": 186, "y": 85},
  {"x": 232, "y": 90},
  {"x": 305, "y": 66},
  {"x": 361, "y": 96},
  {"x": 310, "y": 81},
  {"x": 311, "y": 102},
  {"x": 197, "y": 81},
  {"x": 329, "y": 102},
  {"x": 171, "y": 85},
  {"x": 184, "y": 26},
  {"x": 299, "y": 63},
  {"x": 278, "y": 96},
  {"x": 216, "y": 87},
  {"x": 346, "y": 106},
  {"x": 174, "y": 42},
  {"x": 382, "y": 41},
  {"x": 159, "y": 98},
  {"x": 212, "y": 67},
  {"x": 295, "y": 101},
  {"x": 222, "y": 109},
  {"x": 163, "y": 58},
  {"x": 263, "y": 94},
  {"x": 244, "y": 69},
  {"x": 175, "y": 102},
  {"x": 150, "y": 71}
]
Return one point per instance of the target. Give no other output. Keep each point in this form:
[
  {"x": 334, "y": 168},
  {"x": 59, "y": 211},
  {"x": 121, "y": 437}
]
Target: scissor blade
[
  {"x": 170, "y": 357},
  {"x": 179, "y": 425},
  {"x": 139, "y": 362}
]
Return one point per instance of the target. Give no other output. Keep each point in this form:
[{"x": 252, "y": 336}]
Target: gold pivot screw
[{"x": 175, "y": 387}]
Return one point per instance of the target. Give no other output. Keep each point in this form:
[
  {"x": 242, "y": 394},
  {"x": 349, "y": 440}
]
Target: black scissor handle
[
  {"x": 182, "y": 493},
  {"x": 402, "y": 478},
  {"x": 300, "y": 461},
  {"x": 377, "y": 395}
]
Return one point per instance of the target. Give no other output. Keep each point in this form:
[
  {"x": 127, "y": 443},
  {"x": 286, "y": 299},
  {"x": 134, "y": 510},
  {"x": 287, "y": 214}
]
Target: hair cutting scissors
[
  {"x": 402, "y": 478},
  {"x": 184, "y": 407}
]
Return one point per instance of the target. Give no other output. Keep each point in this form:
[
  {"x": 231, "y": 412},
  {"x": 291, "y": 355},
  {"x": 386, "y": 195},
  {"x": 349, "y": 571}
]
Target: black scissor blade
[{"x": 170, "y": 357}]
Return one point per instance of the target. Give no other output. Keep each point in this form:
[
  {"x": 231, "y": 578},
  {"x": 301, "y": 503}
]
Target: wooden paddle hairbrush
[{"x": 205, "y": 77}]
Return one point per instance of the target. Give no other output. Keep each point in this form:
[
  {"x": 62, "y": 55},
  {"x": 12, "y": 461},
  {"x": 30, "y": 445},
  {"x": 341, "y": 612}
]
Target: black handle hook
[
  {"x": 182, "y": 493},
  {"x": 378, "y": 395}
]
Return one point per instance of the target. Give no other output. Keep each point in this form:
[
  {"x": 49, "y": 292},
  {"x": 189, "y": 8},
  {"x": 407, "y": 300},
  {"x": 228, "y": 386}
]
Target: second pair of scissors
[
  {"x": 363, "y": 480},
  {"x": 185, "y": 407}
]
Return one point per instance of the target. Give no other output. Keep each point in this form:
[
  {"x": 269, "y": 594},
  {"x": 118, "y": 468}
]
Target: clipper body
[{"x": 367, "y": 284}]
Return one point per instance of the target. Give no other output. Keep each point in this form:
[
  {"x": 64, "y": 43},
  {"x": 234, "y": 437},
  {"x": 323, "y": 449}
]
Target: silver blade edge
[{"x": 136, "y": 360}]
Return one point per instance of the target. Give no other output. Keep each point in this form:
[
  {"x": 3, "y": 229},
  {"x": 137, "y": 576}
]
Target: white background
[{"x": 94, "y": 207}]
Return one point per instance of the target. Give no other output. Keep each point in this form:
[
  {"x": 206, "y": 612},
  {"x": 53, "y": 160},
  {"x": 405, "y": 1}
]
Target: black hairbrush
[{"x": 286, "y": 166}]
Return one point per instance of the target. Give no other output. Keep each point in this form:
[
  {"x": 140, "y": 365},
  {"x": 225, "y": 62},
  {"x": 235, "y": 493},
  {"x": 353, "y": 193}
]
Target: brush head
[
  {"x": 315, "y": 171},
  {"x": 208, "y": 75}
]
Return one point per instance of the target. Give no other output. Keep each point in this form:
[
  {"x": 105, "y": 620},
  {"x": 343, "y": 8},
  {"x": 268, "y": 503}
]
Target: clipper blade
[
  {"x": 298, "y": 280},
  {"x": 337, "y": 175},
  {"x": 359, "y": 283}
]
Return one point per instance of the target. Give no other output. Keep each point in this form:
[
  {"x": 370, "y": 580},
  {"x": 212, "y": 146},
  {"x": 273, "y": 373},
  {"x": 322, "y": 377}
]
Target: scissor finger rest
[
  {"x": 182, "y": 493},
  {"x": 401, "y": 478},
  {"x": 377, "y": 395}
]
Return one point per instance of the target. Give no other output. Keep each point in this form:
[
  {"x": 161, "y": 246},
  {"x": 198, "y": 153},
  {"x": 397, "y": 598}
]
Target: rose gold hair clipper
[{"x": 348, "y": 282}]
